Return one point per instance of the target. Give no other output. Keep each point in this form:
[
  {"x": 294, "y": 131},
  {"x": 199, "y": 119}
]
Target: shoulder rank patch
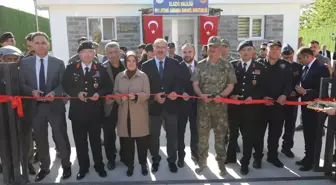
[{"x": 283, "y": 66}]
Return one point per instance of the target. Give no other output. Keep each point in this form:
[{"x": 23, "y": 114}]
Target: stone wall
[
  {"x": 129, "y": 38},
  {"x": 77, "y": 28}
]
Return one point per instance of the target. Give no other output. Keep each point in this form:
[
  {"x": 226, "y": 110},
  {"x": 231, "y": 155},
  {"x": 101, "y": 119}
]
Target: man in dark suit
[
  {"x": 41, "y": 76},
  {"x": 188, "y": 107},
  {"x": 171, "y": 51},
  {"x": 324, "y": 52},
  {"x": 163, "y": 73},
  {"x": 88, "y": 81},
  {"x": 113, "y": 67},
  {"x": 312, "y": 73}
]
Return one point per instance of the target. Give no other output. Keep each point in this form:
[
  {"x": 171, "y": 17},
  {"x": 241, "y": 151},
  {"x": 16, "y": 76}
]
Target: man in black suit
[
  {"x": 163, "y": 74},
  {"x": 171, "y": 51},
  {"x": 188, "y": 107},
  {"x": 312, "y": 73},
  {"x": 324, "y": 52}
]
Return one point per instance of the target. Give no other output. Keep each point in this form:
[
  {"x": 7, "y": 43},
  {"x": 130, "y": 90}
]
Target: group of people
[{"x": 137, "y": 97}]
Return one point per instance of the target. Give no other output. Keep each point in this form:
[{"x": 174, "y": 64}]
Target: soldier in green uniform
[
  {"x": 225, "y": 50},
  {"x": 213, "y": 78}
]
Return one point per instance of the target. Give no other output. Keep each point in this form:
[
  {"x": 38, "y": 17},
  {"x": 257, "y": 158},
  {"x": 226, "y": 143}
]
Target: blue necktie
[
  {"x": 42, "y": 82},
  {"x": 305, "y": 72},
  {"x": 161, "y": 70}
]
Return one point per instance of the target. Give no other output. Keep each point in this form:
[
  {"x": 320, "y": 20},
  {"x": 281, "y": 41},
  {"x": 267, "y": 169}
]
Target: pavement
[{"x": 289, "y": 175}]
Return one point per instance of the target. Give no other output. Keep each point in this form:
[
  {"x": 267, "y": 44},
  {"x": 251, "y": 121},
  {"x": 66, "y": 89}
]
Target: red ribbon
[{"x": 15, "y": 101}]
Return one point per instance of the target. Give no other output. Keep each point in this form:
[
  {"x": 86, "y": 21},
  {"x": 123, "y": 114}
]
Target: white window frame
[
  {"x": 251, "y": 30},
  {"x": 101, "y": 26}
]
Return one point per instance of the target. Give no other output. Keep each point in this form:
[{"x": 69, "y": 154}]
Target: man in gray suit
[{"x": 40, "y": 77}]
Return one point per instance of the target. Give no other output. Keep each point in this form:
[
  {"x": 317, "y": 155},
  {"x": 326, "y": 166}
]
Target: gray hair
[
  {"x": 112, "y": 45},
  {"x": 188, "y": 45},
  {"x": 160, "y": 40}
]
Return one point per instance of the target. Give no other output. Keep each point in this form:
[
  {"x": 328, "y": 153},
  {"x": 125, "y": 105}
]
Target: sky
[{"x": 24, "y": 5}]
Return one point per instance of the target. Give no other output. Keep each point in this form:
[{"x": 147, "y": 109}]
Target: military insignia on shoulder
[
  {"x": 282, "y": 66},
  {"x": 297, "y": 73}
]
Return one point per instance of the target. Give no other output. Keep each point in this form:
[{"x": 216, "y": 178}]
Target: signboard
[{"x": 181, "y": 7}]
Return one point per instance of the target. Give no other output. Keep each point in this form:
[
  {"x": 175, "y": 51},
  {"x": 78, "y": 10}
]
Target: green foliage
[
  {"x": 20, "y": 24},
  {"x": 322, "y": 34},
  {"x": 318, "y": 14}
]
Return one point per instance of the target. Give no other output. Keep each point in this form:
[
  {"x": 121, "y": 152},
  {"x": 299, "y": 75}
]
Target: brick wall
[
  {"x": 77, "y": 28},
  {"x": 130, "y": 39}
]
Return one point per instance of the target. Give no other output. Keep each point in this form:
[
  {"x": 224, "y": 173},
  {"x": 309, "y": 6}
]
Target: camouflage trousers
[{"x": 212, "y": 116}]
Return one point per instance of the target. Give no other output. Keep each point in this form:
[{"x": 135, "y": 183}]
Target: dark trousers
[
  {"x": 290, "y": 119},
  {"x": 81, "y": 129},
  {"x": 142, "y": 144},
  {"x": 310, "y": 124},
  {"x": 245, "y": 118},
  {"x": 45, "y": 115},
  {"x": 187, "y": 112},
  {"x": 110, "y": 137},
  {"x": 275, "y": 116},
  {"x": 170, "y": 121}
]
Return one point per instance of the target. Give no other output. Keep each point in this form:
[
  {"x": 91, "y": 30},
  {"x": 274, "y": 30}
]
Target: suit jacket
[
  {"x": 97, "y": 81},
  {"x": 169, "y": 83},
  {"x": 28, "y": 80},
  {"x": 328, "y": 54},
  {"x": 311, "y": 82},
  {"x": 186, "y": 83},
  {"x": 178, "y": 58}
]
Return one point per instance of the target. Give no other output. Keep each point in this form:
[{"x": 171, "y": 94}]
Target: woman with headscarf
[{"x": 133, "y": 87}]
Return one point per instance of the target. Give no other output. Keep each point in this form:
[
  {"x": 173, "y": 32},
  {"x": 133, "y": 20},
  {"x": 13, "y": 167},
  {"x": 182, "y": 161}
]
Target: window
[
  {"x": 250, "y": 27},
  {"x": 101, "y": 29}
]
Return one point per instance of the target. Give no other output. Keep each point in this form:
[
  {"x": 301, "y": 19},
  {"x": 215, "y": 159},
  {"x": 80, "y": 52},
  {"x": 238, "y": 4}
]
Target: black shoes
[
  {"x": 180, "y": 163},
  {"x": 31, "y": 169},
  {"x": 288, "y": 153},
  {"x": 155, "y": 167},
  {"x": 41, "y": 175},
  {"x": 172, "y": 167},
  {"x": 144, "y": 170},
  {"x": 130, "y": 171},
  {"x": 102, "y": 173},
  {"x": 256, "y": 164},
  {"x": 66, "y": 173},
  {"x": 276, "y": 162},
  {"x": 81, "y": 174},
  {"x": 244, "y": 170},
  {"x": 111, "y": 165}
]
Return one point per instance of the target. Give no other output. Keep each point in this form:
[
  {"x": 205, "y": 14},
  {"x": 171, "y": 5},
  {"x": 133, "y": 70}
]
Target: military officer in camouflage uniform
[
  {"x": 225, "y": 50},
  {"x": 213, "y": 78}
]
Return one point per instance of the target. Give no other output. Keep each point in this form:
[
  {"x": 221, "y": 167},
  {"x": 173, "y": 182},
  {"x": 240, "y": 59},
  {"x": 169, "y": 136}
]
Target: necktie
[
  {"x": 42, "y": 81},
  {"x": 245, "y": 66},
  {"x": 161, "y": 69},
  {"x": 305, "y": 72},
  {"x": 190, "y": 70},
  {"x": 86, "y": 71}
]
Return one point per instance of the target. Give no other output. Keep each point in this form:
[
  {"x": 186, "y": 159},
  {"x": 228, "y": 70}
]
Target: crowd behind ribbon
[{"x": 133, "y": 95}]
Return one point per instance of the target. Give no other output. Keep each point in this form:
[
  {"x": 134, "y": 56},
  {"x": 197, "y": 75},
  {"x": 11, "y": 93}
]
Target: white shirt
[
  {"x": 192, "y": 66},
  {"x": 248, "y": 64},
  {"x": 84, "y": 66},
  {"x": 309, "y": 65},
  {"x": 38, "y": 67}
]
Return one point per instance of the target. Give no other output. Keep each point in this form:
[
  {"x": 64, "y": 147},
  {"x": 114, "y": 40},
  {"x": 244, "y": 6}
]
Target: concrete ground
[{"x": 289, "y": 175}]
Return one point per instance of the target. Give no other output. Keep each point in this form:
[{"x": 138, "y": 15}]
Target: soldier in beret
[
  {"x": 209, "y": 81},
  {"x": 246, "y": 118},
  {"x": 287, "y": 53},
  {"x": 7, "y": 39},
  {"x": 278, "y": 87},
  {"x": 87, "y": 80},
  {"x": 76, "y": 58}
]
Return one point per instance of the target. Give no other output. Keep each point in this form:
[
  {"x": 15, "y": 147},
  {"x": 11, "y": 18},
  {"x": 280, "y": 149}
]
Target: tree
[{"x": 318, "y": 14}]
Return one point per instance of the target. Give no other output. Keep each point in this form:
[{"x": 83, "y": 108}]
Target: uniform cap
[
  {"x": 124, "y": 49},
  {"x": 85, "y": 45},
  {"x": 10, "y": 51},
  {"x": 274, "y": 43},
  {"x": 225, "y": 42},
  {"x": 263, "y": 44},
  {"x": 149, "y": 47},
  {"x": 244, "y": 44},
  {"x": 214, "y": 41},
  {"x": 142, "y": 46},
  {"x": 287, "y": 49}
]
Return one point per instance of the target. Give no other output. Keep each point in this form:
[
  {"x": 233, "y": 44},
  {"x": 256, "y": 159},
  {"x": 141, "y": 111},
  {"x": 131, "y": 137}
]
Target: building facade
[{"x": 103, "y": 20}]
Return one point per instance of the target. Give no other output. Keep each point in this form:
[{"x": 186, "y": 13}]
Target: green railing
[
  {"x": 321, "y": 34},
  {"x": 20, "y": 24}
]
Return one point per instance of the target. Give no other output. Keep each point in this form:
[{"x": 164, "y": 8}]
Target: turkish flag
[
  {"x": 152, "y": 28},
  {"x": 208, "y": 28}
]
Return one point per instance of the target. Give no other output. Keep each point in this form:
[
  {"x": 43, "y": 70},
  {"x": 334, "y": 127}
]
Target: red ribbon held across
[{"x": 15, "y": 101}]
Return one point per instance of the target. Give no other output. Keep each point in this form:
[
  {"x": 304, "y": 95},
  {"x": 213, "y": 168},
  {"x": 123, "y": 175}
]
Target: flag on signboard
[
  {"x": 208, "y": 28},
  {"x": 152, "y": 28}
]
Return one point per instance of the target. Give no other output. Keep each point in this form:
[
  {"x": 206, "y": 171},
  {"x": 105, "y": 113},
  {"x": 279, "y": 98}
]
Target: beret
[
  {"x": 244, "y": 43},
  {"x": 85, "y": 45},
  {"x": 287, "y": 49}
]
